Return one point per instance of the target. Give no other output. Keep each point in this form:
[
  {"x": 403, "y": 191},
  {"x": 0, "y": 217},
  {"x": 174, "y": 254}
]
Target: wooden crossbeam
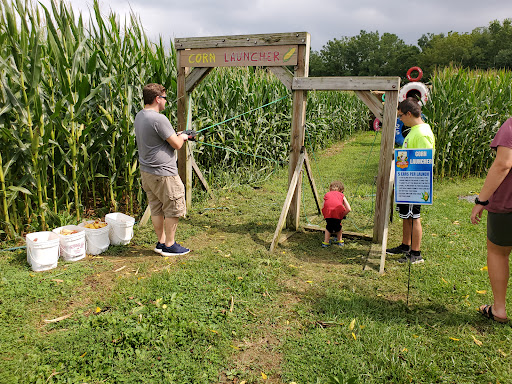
[
  {"x": 360, "y": 83},
  {"x": 241, "y": 40}
]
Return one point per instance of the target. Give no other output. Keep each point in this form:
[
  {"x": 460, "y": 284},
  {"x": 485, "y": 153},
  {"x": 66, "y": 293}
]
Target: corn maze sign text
[{"x": 280, "y": 55}]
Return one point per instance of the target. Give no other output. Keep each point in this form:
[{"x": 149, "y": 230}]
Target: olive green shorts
[
  {"x": 499, "y": 228},
  {"x": 166, "y": 195}
]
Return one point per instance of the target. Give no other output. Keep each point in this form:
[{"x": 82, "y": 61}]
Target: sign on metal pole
[{"x": 413, "y": 176}]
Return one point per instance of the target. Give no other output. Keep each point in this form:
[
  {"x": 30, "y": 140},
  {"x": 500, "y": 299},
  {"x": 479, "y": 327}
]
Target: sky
[{"x": 323, "y": 19}]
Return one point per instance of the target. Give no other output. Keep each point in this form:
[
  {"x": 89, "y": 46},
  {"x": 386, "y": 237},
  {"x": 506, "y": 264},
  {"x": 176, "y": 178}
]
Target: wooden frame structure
[{"x": 197, "y": 56}]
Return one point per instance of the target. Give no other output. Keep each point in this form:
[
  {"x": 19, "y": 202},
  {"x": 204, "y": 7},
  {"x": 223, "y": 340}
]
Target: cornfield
[
  {"x": 465, "y": 110},
  {"x": 69, "y": 92},
  {"x": 263, "y": 135}
]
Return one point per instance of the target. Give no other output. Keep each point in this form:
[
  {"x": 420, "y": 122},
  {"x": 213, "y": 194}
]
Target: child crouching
[{"x": 334, "y": 210}]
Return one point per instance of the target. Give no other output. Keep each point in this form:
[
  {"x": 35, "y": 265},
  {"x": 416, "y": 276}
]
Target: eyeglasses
[
  {"x": 163, "y": 97},
  {"x": 401, "y": 114}
]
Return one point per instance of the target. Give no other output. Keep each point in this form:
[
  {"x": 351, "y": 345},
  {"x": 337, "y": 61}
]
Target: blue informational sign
[
  {"x": 413, "y": 176},
  {"x": 399, "y": 138}
]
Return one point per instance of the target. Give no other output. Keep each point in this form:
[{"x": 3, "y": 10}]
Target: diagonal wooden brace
[{"x": 287, "y": 202}]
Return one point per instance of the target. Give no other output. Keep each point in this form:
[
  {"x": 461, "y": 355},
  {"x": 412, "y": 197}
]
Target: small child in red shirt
[{"x": 334, "y": 210}]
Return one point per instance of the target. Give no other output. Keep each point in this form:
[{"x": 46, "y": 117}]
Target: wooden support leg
[
  {"x": 200, "y": 175},
  {"x": 309, "y": 172},
  {"x": 288, "y": 201},
  {"x": 145, "y": 217}
]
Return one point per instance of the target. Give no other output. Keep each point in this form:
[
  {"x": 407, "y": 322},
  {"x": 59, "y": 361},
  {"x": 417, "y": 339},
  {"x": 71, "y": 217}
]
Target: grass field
[{"x": 230, "y": 312}]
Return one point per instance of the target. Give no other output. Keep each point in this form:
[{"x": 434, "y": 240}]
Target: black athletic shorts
[
  {"x": 333, "y": 225},
  {"x": 405, "y": 211},
  {"x": 499, "y": 228}
]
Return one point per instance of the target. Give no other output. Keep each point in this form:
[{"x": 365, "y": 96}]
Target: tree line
[{"x": 373, "y": 54}]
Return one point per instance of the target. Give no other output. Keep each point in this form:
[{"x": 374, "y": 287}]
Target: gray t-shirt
[{"x": 156, "y": 156}]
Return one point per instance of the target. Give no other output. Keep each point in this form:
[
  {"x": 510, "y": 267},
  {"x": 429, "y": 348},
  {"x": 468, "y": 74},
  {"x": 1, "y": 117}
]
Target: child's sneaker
[
  {"x": 325, "y": 245},
  {"x": 340, "y": 243}
]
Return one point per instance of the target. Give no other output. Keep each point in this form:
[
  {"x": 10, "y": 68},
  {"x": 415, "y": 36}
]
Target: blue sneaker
[
  {"x": 159, "y": 247},
  {"x": 325, "y": 245},
  {"x": 174, "y": 250}
]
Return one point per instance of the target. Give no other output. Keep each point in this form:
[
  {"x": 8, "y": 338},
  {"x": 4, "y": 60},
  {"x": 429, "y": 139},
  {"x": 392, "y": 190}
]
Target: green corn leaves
[
  {"x": 465, "y": 110},
  {"x": 69, "y": 92}
]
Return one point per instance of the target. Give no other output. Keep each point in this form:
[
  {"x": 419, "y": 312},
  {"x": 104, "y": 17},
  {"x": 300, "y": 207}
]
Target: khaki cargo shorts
[{"x": 166, "y": 195}]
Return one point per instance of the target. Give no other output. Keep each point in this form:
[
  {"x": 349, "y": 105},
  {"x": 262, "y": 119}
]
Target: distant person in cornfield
[
  {"x": 496, "y": 198},
  {"x": 335, "y": 208},
  {"x": 157, "y": 143},
  {"x": 419, "y": 136}
]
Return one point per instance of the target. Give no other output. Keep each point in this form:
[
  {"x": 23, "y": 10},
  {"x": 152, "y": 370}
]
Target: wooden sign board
[{"x": 280, "y": 55}]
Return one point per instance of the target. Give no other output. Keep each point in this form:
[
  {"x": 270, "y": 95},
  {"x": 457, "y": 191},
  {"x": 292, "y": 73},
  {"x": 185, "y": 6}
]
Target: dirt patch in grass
[
  {"x": 105, "y": 273},
  {"x": 260, "y": 356},
  {"x": 336, "y": 148}
]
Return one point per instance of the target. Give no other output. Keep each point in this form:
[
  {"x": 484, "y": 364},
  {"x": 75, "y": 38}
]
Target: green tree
[
  {"x": 367, "y": 54},
  {"x": 454, "y": 48},
  {"x": 484, "y": 48},
  {"x": 316, "y": 65},
  {"x": 495, "y": 43}
]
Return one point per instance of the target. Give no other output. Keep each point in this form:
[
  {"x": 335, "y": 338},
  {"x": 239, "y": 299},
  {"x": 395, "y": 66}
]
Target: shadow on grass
[
  {"x": 306, "y": 246},
  {"x": 18, "y": 258},
  {"x": 332, "y": 303}
]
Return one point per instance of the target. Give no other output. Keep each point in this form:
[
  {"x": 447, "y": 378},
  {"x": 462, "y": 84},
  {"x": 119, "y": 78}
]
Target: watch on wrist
[{"x": 484, "y": 203}]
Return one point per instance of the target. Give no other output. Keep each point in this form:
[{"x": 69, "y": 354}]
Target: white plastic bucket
[
  {"x": 72, "y": 247},
  {"x": 121, "y": 228},
  {"x": 97, "y": 240},
  {"x": 42, "y": 250}
]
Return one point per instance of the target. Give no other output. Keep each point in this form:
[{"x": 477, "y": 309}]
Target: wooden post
[
  {"x": 385, "y": 230},
  {"x": 184, "y": 164},
  {"x": 386, "y": 156},
  {"x": 298, "y": 131}
]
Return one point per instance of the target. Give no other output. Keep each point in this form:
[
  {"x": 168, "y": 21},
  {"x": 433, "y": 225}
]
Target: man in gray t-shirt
[
  {"x": 157, "y": 143},
  {"x": 156, "y": 155}
]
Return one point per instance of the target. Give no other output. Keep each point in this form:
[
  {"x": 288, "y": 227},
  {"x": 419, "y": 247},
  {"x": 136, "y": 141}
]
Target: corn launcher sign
[{"x": 280, "y": 55}]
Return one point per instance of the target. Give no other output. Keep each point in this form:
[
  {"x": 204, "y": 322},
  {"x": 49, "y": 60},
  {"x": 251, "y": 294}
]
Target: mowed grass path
[{"x": 231, "y": 312}]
